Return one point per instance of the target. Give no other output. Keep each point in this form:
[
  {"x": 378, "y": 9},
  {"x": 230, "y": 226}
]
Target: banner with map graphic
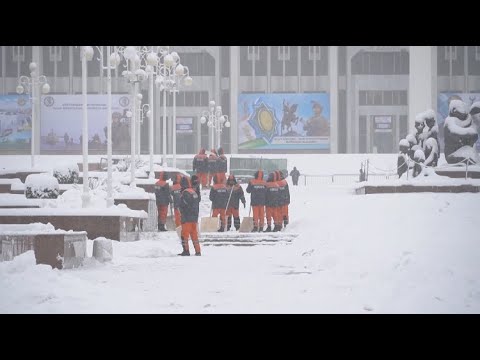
[
  {"x": 15, "y": 123},
  {"x": 443, "y": 104},
  {"x": 284, "y": 121}
]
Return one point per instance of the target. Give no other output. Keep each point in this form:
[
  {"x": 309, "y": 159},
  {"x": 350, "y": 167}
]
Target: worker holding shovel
[
  {"x": 233, "y": 204},
  {"x": 189, "y": 208}
]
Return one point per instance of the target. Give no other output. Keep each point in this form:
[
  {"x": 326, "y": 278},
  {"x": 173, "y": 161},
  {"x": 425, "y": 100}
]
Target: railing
[{"x": 342, "y": 178}]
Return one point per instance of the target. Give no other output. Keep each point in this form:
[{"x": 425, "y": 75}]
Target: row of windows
[
  {"x": 380, "y": 63},
  {"x": 383, "y": 97},
  {"x": 187, "y": 98},
  {"x": 284, "y": 60}
]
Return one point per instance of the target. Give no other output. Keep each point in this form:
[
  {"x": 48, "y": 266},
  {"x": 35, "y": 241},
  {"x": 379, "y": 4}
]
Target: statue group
[{"x": 421, "y": 149}]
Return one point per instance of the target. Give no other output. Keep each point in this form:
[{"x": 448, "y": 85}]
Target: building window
[
  {"x": 477, "y": 53},
  {"x": 18, "y": 54},
  {"x": 55, "y": 53},
  {"x": 451, "y": 54},
  {"x": 253, "y": 52},
  {"x": 284, "y": 53},
  {"x": 314, "y": 53}
]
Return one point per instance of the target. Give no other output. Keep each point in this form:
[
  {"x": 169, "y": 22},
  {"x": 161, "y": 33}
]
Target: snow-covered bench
[
  {"x": 115, "y": 223},
  {"x": 6, "y": 184},
  {"x": 57, "y": 248}
]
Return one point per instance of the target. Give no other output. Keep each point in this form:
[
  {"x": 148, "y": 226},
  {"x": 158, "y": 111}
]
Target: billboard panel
[
  {"x": 61, "y": 123},
  {"x": 184, "y": 125},
  {"x": 284, "y": 121},
  {"x": 15, "y": 123},
  {"x": 443, "y": 103}
]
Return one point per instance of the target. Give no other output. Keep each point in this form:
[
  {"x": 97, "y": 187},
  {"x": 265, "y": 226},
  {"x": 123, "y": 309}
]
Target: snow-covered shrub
[
  {"x": 67, "y": 174},
  {"x": 41, "y": 186}
]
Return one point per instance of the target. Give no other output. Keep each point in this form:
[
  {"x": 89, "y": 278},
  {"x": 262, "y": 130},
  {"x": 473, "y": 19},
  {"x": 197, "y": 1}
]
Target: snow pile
[
  {"x": 66, "y": 174},
  {"x": 15, "y": 181},
  {"x": 27, "y": 228},
  {"x": 41, "y": 186}
]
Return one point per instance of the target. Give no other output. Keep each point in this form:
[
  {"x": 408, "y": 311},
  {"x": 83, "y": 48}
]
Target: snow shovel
[
  {"x": 209, "y": 224},
  {"x": 247, "y": 223},
  {"x": 170, "y": 224}
]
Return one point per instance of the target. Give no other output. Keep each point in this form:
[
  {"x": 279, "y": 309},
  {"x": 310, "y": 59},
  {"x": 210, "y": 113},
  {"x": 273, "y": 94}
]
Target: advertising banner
[
  {"x": 61, "y": 123},
  {"x": 284, "y": 121},
  {"x": 443, "y": 104},
  {"x": 15, "y": 123},
  {"x": 184, "y": 125}
]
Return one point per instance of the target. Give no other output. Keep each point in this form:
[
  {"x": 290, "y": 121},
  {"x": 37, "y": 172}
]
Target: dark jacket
[
  {"x": 222, "y": 162},
  {"x": 189, "y": 202},
  {"x": 162, "y": 190},
  {"x": 273, "y": 194},
  {"x": 200, "y": 162},
  {"x": 295, "y": 174},
  {"x": 284, "y": 191},
  {"x": 212, "y": 163},
  {"x": 401, "y": 164},
  {"x": 176, "y": 191},
  {"x": 257, "y": 187},
  {"x": 237, "y": 193},
  {"x": 219, "y": 196}
]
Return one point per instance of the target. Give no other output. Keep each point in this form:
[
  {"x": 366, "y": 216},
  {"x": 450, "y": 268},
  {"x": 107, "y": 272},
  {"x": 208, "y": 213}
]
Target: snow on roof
[
  {"x": 19, "y": 200},
  {"x": 33, "y": 228},
  {"x": 13, "y": 170},
  {"x": 115, "y": 210},
  {"x": 11, "y": 181}
]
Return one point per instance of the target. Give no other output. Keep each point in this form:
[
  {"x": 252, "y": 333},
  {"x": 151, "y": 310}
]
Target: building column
[
  {"x": 333, "y": 79},
  {"x": 269, "y": 69},
  {"x": 349, "y": 133},
  {"x": 234, "y": 77},
  {"x": 37, "y": 57},
  {"x": 422, "y": 85}
]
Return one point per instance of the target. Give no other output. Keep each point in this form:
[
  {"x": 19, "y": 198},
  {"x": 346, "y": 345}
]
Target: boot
[
  {"x": 268, "y": 229},
  {"x": 161, "y": 227},
  {"x": 229, "y": 223},
  {"x": 184, "y": 253},
  {"x": 260, "y": 229},
  {"x": 236, "y": 223},
  {"x": 198, "y": 254},
  {"x": 285, "y": 221},
  {"x": 221, "y": 229},
  {"x": 255, "y": 229},
  {"x": 277, "y": 228}
]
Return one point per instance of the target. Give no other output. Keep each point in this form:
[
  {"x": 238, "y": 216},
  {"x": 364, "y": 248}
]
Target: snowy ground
[{"x": 385, "y": 253}]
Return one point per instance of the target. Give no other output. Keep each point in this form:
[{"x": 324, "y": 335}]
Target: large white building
[{"x": 366, "y": 85}]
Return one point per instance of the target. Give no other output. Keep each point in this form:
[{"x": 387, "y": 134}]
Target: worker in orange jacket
[
  {"x": 189, "y": 208},
  {"x": 284, "y": 197},
  {"x": 272, "y": 200},
  {"x": 212, "y": 166},
  {"x": 175, "y": 192},
  {"x": 222, "y": 165},
  {"x": 200, "y": 165},
  {"x": 219, "y": 196}
]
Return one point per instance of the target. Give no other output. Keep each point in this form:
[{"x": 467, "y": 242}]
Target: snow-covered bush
[
  {"x": 41, "y": 186},
  {"x": 67, "y": 174}
]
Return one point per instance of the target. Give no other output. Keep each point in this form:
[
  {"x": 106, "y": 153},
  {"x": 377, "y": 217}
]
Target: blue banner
[
  {"x": 15, "y": 122},
  {"x": 284, "y": 121}
]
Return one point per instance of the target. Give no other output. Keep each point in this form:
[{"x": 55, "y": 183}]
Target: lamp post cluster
[
  {"x": 215, "y": 119},
  {"x": 30, "y": 85},
  {"x": 169, "y": 74}
]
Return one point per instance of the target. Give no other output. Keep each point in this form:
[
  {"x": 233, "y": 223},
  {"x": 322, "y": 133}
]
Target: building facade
[{"x": 368, "y": 87}]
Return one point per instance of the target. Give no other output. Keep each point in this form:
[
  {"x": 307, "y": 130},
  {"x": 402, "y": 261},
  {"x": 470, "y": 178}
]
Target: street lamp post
[
  {"x": 112, "y": 61},
  {"x": 169, "y": 74},
  {"x": 28, "y": 85},
  {"x": 86, "y": 54},
  {"x": 134, "y": 75},
  {"x": 215, "y": 120}
]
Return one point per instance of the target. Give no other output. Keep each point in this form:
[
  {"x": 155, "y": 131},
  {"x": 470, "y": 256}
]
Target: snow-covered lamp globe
[
  {"x": 179, "y": 70},
  {"x": 222, "y": 119},
  {"x": 227, "y": 124},
  {"x": 129, "y": 114},
  {"x": 203, "y": 120},
  {"x": 129, "y": 52},
  {"x": 115, "y": 59},
  {"x": 20, "y": 89},
  {"x": 188, "y": 81},
  {"x": 32, "y": 66},
  {"x": 88, "y": 52},
  {"x": 46, "y": 88},
  {"x": 152, "y": 59},
  {"x": 149, "y": 114},
  {"x": 139, "y": 96},
  {"x": 211, "y": 103},
  {"x": 168, "y": 60},
  {"x": 209, "y": 123},
  {"x": 175, "y": 56}
]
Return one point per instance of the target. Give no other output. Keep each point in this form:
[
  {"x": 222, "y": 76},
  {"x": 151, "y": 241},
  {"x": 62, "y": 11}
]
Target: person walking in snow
[
  {"x": 163, "y": 199},
  {"x": 295, "y": 174}
]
